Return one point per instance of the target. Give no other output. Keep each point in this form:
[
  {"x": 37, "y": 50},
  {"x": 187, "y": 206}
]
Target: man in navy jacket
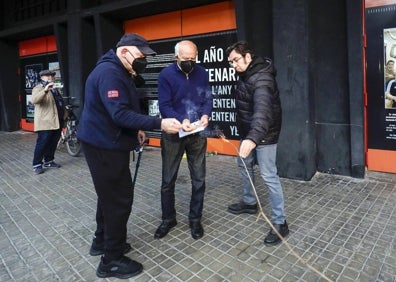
[
  {"x": 184, "y": 94},
  {"x": 110, "y": 127}
]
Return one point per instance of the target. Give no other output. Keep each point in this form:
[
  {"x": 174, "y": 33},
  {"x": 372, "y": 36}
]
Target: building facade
[{"x": 317, "y": 47}]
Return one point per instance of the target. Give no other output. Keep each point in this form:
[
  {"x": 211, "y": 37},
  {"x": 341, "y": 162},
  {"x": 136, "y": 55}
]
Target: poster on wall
[
  {"x": 54, "y": 66},
  {"x": 380, "y": 77},
  {"x": 30, "y": 67},
  {"x": 390, "y": 81},
  {"x": 222, "y": 78},
  {"x": 32, "y": 78}
]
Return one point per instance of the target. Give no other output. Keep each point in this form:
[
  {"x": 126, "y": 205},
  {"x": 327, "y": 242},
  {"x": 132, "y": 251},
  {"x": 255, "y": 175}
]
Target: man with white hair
[{"x": 184, "y": 94}]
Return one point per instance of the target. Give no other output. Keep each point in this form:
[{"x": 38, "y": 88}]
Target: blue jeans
[
  {"x": 265, "y": 156},
  {"x": 47, "y": 141},
  {"x": 172, "y": 150}
]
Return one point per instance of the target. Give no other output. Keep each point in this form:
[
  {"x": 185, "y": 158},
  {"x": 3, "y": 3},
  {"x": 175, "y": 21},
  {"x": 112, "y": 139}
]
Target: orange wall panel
[
  {"x": 165, "y": 25},
  {"x": 217, "y": 145},
  {"x": 155, "y": 142},
  {"x": 51, "y": 44},
  {"x": 28, "y": 126},
  {"x": 37, "y": 46},
  {"x": 381, "y": 160},
  {"x": 204, "y": 19},
  {"x": 32, "y": 46},
  {"x": 210, "y": 18},
  {"x": 225, "y": 147}
]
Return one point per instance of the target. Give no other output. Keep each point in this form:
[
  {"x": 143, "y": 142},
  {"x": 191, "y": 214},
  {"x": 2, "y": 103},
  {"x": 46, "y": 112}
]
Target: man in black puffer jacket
[{"x": 259, "y": 117}]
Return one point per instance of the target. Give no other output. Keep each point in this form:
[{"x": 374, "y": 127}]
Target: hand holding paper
[{"x": 195, "y": 127}]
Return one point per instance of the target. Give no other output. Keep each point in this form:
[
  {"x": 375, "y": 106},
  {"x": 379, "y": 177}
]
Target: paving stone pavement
[{"x": 344, "y": 227}]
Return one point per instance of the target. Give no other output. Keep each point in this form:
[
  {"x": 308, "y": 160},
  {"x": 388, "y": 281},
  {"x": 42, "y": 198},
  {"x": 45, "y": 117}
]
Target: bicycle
[{"x": 69, "y": 132}]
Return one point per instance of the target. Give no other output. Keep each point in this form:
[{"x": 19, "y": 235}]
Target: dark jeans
[
  {"x": 111, "y": 177},
  {"x": 47, "y": 141},
  {"x": 172, "y": 150}
]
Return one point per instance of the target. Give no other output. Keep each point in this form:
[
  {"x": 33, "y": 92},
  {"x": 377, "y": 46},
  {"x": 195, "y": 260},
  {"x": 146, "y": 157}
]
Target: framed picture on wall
[
  {"x": 389, "y": 63},
  {"x": 32, "y": 76}
]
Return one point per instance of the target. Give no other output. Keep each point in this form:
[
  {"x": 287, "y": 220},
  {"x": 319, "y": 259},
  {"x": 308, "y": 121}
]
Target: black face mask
[
  {"x": 139, "y": 65},
  {"x": 187, "y": 66}
]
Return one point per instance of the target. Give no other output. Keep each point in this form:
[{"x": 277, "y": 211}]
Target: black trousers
[
  {"x": 172, "y": 150},
  {"x": 113, "y": 185}
]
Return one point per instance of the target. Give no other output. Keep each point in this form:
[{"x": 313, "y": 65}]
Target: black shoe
[
  {"x": 239, "y": 208},
  {"x": 164, "y": 228},
  {"x": 97, "y": 250},
  {"x": 51, "y": 164},
  {"x": 273, "y": 239},
  {"x": 122, "y": 268},
  {"x": 196, "y": 229},
  {"x": 38, "y": 169}
]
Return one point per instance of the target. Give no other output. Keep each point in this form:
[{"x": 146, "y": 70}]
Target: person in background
[
  {"x": 389, "y": 71},
  {"x": 390, "y": 75},
  {"x": 48, "y": 118},
  {"x": 184, "y": 94},
  {"x": 111, "y": 126},
  {"x": 390, "y": 94},
  {"x": 259, "y": 119}
]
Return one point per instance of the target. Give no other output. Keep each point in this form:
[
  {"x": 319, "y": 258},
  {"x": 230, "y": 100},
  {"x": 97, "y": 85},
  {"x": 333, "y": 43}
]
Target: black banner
[
  {"x": 381, "y": 85},
  {"x": 222, "y": 78}
]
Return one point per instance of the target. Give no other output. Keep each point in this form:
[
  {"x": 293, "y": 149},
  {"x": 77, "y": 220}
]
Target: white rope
[{"x": 261, "y": 213}]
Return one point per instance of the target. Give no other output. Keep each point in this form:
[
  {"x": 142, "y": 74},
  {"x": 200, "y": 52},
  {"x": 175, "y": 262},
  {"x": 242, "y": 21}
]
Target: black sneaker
[
  {"x": 272, "y": 238},
  {"x": 51, "y": 164},
  {"x": 38, "y": 169},
  {"x": 239, "y": 208},
  {"x": 122, "y": 268},
  {"x": 97, "y": 250}
]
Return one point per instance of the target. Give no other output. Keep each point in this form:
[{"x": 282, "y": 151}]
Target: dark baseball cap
[
  {"x": 133, "y": 39},
  {"x": 47, "y": 72}
]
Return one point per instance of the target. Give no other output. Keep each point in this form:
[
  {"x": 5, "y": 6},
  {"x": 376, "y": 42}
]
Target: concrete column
[{"x": 10, "y": 108}]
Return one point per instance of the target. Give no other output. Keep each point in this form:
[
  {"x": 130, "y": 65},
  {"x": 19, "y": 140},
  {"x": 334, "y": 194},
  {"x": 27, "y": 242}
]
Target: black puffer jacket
[{"x": 259, "y": 113}]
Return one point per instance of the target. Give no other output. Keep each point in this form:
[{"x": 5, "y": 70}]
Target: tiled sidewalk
[{"x": 344, "y": 227}]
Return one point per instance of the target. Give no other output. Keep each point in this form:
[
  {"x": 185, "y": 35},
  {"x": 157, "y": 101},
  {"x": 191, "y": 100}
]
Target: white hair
[
  {"x": 178, "y": 44},
  {"x": 177, "y": 48}
]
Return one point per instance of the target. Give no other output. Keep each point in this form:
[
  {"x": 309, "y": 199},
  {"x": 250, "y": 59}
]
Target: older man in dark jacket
[
  {"x": 259, "y": 116},
  {"x": 110, "y": 127}
]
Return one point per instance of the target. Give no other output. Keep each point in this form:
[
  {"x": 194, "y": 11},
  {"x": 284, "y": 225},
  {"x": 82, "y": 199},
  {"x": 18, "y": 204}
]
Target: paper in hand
[{"x": 199, "y": 128}]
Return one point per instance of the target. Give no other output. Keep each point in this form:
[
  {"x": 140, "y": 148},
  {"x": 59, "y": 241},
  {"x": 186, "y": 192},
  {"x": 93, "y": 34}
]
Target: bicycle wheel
[{"x": 73, "y": 145}]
